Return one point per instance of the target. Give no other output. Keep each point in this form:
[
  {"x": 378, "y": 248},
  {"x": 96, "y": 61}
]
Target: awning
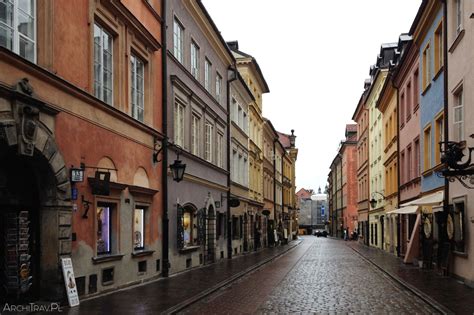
[
  {"x": 434, "y": 199},
  {"x": 405, "y": 210}
]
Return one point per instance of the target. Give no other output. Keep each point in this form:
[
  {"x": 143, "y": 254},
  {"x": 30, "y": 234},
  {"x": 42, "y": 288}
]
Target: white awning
[
  {"x": 405, "y": 210},
  {"x": 434, "y": 199}
]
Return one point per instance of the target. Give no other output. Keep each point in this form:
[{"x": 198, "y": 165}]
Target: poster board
[{"x": 70, "y": 282}]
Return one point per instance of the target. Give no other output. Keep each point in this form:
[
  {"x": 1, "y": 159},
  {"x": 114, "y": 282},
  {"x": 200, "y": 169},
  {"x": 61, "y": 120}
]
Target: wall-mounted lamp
[
  {"x": 156, "y": 151},
  {"x": 457, "y": 169},
  {"x": 372, "y": 201},
  {"x": 177, "y": 169}
]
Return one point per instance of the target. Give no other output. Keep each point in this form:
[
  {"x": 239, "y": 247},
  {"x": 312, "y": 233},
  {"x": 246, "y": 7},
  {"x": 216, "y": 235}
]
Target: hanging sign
[{"x": 70, "y": 282}]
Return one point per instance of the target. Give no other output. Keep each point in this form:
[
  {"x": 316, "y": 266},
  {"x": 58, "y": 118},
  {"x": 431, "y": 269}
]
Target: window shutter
[{"x": 180, "y": 234}]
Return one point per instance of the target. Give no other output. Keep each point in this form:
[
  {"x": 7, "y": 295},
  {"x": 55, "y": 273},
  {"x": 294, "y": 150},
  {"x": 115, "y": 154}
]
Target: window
[
  {"x": 179, "y": 124},
  {"x": 195, "y": 134},
  {"x": 139, "y": 229},
  {"x": 178, "y": 37},
  {"x": 417, "y": 158},
  {"x": 18, "y": 27},
  {"x": 195, "y": 60},
  {"x": 208, "y": 152},
  {"x": 458, "y": 123},
  {"x": 220, "y": 151},
  {"x": 426, "y": 66},
  {"x": 402, "y": 109},
  {"x": 458, "y": 16},
  {"x": 403, "y": 167},
  {"x": 218, "y": 87},
  {"x": 190, "y": 231},
  {"x": 246, "y": 124},
  {"x": 103, "y": 68},
  {"x": 459, "y": 226},
  {"x": 137, "y": 86},
  {"x": 104, "y": 228},
  {"x": 427, "y": 149},
  {"x": 439, "y": 136},
  {"x": 416, "y": 90},
  {"x": 409, "y": 167},
  {"x": 235, "y": 169},
  {"x": 438, "y": 57},
  {"x": 207, "y": 75},
  {"x": 408, "y": 102}
]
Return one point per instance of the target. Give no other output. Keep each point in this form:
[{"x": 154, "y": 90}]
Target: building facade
[
  {"x": 362, "y": 120},
  {"x": 348, "y": 153},
  {"x": 460, "y": 112},
  {"x": 197, "y": 119},
  {"x": 253, "y": 76},
  {"x": 61, "y": 118},
  {"x": 243, "y": 223}
]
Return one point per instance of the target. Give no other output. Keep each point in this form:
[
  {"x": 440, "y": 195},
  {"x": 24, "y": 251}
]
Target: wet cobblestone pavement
[{"x": 321, "y": 276}]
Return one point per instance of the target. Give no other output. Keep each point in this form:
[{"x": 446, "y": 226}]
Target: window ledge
[
  {"x": 142, "y": 252},
  {"x": 426, "y": 89},
  {"x": 438, "y": 73},
  {"x": 106, "y": 258},
  {"x": 460, "y": 254},
  {"x": 189, "y": 249},
  {"x": 456, "y": 42}
]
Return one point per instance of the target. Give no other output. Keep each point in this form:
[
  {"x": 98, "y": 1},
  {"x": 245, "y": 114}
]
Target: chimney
[{"x": 233, "y": 45}]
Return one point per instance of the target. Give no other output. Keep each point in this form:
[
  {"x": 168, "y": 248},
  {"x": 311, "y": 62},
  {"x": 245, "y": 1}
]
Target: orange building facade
[{"x": 80, "y": 94}]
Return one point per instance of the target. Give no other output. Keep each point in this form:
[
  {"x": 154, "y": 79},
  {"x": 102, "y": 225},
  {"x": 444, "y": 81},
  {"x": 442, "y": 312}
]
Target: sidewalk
[
  {"x": 171, "y": 294},
  {"x": 445, "y": 293}
]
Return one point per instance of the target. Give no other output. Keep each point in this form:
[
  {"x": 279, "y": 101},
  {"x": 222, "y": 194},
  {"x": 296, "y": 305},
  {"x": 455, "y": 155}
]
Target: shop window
[
  {"x": 459, "y": 226},
  {"x": 187, "y": 227},
  {"x": 105, "y": 226},
  {"x": 219, "y": 221},
  {"x": 81, "y": 285},
  {"x": 139, "y": 229},
  {"x": 189, "y": 263},
  {"x": 158, "y": 265},
  {"x": 18, "y": 27}
]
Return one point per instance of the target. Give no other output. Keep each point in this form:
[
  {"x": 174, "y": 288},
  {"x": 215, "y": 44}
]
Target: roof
[
  {"x": 351, "y": 128},
  {"x": 284, "y": 139},
  {"x": 234, "y": 47},
  {"x": 304, "y": 193}
]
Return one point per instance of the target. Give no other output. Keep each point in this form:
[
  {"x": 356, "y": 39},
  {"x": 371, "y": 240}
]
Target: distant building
[{"x": 313, "y": 210}]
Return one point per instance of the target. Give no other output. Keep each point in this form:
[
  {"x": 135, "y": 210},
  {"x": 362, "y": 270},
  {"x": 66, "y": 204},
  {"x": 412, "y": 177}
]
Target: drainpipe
[
  {"x": 274, "y": 186},
  {"x": 399, "y": 216},
  {"x": 233, "y": 69},
  {"x": 442, "y": 227},
  {"x": 164, "y": 175}
]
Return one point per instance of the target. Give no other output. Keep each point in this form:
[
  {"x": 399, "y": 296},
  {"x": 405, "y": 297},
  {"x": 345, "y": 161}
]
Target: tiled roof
[{"x": 284, "y": 139}]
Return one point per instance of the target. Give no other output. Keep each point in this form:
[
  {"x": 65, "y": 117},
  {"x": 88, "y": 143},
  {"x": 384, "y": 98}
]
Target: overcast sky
[{"x": 315, "y": 56}]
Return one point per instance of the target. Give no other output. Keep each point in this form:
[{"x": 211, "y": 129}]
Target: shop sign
[{"x": 70, "y": 282}]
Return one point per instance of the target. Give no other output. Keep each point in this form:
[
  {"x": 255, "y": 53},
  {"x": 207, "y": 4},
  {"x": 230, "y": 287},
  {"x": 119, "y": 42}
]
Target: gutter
[
  {"x": 233, "y": 69},
  {"x": 446, "y": 120},
  {"x": 164, "y": 165}
]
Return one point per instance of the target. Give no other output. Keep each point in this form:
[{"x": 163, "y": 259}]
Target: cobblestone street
[{"x": 322, "y": 276}]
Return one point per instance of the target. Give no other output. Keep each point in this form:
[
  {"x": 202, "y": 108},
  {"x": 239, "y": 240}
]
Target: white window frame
[
  {"x": 16, "y": 35},
  {"x": 99, "y": 93},
  {"x": 208, "y": 146},
  {"x": 137, "y": 90},
  {"x": 195, "y": 134},
  {"x": 458, "y": 125},
  {"x": 195, "y": 60},
  {"x": 179, "y": 123},
  {"x": 218, "y": 87},
  {"x": 207, "y": 75},
  {"x": 220, "y": 149},
  {"x": 178, "y": 40}
]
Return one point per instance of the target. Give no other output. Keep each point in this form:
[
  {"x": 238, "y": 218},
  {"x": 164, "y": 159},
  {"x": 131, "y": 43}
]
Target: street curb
[
  {"x": 203, "y": 294},
  {"x": 427, "y": 299}
]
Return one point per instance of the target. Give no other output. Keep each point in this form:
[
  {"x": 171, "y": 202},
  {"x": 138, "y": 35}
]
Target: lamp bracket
[{"x": 457, "y": 168}]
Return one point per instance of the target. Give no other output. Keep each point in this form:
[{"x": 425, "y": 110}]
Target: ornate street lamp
[
  {"x": 177, "y": 168},
  {"x": 292, "y": 138},
  {"x": 372, "y": 201},
  {"x": 452, "y": 156}
]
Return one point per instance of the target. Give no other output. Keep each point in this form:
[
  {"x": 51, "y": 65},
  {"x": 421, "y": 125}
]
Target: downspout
[
  {"x": 442, "y": 227},
  {"x": 399, "y": 216},
  {"x": 164, "y": 165},
  {"x": 232, "y": 68},
  {"x": 274, "y": 186}
]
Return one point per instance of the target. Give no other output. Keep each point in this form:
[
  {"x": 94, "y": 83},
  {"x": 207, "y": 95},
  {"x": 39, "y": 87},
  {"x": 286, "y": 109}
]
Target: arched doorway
[
  {"x": 27, "y": 189},
  {"x": 211, "y": 234}
]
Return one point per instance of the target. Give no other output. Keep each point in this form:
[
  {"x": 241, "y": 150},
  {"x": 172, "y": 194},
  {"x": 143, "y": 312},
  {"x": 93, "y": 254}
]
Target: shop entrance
[{"x": 19, "y": 233}]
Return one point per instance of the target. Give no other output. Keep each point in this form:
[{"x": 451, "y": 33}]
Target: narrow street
[{"x": 320, "y": 275}]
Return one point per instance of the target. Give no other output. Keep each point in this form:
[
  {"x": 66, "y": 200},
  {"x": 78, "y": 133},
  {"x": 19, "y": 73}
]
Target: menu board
[{"x": 70, "y": 282}]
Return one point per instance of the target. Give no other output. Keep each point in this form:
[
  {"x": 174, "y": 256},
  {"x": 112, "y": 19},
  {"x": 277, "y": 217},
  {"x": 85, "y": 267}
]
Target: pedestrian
[{"x": 346, "y": 234}]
